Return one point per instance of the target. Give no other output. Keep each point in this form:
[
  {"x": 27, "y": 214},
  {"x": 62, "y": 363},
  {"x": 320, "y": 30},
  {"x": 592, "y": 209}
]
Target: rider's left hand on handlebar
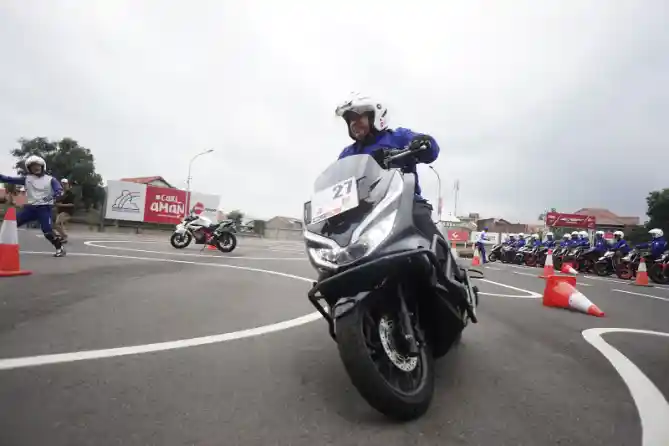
[{"x": 420, "y": 142}]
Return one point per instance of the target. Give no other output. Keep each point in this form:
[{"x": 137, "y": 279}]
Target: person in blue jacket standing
[
  {"x": 41, "y": 190},
  {"x": 657, "y": 245},
  {"x": 480, "y": 243},
  {"x": 367, "y": 122}
]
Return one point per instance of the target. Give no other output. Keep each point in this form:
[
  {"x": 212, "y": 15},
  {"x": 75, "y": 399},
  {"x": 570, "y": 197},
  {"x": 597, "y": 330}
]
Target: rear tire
[
  {"x": 226, "y": 242},
  {"x": 364, "y": 355},
  {"x": 492, "y": 257}
]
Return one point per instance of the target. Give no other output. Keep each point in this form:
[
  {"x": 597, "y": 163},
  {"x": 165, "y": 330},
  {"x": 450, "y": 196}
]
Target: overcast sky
[{"x": 535, "y": 104}]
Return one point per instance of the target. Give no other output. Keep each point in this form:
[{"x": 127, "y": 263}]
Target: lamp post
[
  {"x": 189, "y": 178},
  {"x": 439, "y": 185}
]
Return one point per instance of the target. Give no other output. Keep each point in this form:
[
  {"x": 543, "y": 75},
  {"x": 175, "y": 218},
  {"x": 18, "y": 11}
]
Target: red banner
[
  {"x": 570, "y": 220},
  {"x": 164, "y": 205},
  {"x": 456, "y": 235}
]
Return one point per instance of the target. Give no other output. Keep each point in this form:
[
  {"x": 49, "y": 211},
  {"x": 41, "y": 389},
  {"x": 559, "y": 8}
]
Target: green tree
[
  {"x": 65, "y": 159},
  {"x": 658, "y": 210},
  {"x": 236, "y": 216}
]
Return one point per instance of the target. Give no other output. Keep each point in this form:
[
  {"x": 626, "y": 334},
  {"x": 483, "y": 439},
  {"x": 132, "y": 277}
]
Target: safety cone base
[
  {"x": 645, "y": 285},
  {"x": 15, "y": 273}
]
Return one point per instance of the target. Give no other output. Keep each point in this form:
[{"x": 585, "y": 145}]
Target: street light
[
  {"x": 439, "y": 185},
  {"x": 189, "y": 178}
]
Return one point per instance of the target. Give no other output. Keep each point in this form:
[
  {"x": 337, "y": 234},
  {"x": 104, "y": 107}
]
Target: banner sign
[
  {"x": 560, "y": 220},
  {"x": 456, "y": 235},
  {"x": 151, "y": 204}
]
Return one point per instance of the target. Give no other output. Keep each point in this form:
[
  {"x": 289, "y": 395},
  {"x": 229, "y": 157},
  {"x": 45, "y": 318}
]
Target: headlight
[{"x": 366, "y": 243}]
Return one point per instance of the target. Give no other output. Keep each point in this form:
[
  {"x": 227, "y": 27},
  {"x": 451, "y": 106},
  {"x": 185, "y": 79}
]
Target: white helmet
[
  {"x": 584, "y": 234},
  {"x": 656, "y": 232},
  {"x": 34, "y": 159},
  {"x": 599, "y": 233},
  {"x": 359, "y": 103},
  {"x": 521, "y": 235},
  {"x": 549, "y": 234},
  {"x": 620, "y": 234},
  {"x": 575, "y": 233},
  {"x": 565, "y": 236},
  {"x": 535, "y": 236}
]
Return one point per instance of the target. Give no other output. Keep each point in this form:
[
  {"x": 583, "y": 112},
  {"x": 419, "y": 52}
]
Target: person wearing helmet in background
[
  {"x": 601, "y": 245},
  {"x": 41, "y": 190},
  {"x": 550, "y": 241},
  {"x": 619, "y": 243},
  {"x": 575, "y": 239},
  {"x": 584, "y": 239},
  {"x": 511, "y": 240},
  {"x": 565, "y": 241},
  {"x": 536, "y": 242},
  {"x": 367, "y": 123},
  {"x": 480, "y": 244},
  {"x": 521, "y": 241},
  {"x": 657, "y": 245},
  {"x": 65, "y": 210}
]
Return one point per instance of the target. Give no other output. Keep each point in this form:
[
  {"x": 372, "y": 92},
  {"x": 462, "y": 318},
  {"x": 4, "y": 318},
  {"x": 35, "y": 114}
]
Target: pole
[
  {"x": 189, "y": 178},
  {"x": 456, "y": 187},
  {"x": 439, "y": 185}
]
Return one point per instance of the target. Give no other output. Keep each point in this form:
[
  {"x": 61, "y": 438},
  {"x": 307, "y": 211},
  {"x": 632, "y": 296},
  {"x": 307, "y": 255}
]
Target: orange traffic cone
[
  {"x": 549, "y": 269},
  {"x": 567, "y": 268},
  {"x": 10, "y": 264},
  {"x": 561, "y": 292},
  {"x": 476, "y": 261},
  {"x": 212, "y": 248},
  {"x": 642, "y": 275}
]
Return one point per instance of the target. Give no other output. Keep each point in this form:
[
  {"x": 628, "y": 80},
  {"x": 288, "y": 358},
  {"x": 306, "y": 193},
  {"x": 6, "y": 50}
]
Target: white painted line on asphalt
[
  {"x": 604, "y": 279},
  {"x": 653, "y": 408},
  {"x": 493, "y": 268},
  {"x": 31, "y": 361},
  {"x": 532, "y": 294},
  {"x": 96, "y": 244},
  {"x": 537, "y": 277},
  {"x": 644, "y": 295}
]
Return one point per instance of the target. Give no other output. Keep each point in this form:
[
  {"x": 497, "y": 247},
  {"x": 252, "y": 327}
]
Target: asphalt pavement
[{"x": 129, "y": 341}]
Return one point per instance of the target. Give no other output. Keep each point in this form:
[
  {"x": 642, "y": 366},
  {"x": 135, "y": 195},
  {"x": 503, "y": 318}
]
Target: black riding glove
[{"x": 420, "y": 142}]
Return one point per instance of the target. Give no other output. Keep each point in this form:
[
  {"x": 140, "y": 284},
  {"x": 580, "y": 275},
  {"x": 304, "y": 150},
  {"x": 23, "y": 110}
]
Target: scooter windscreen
[{"x": 351, "y": 210}]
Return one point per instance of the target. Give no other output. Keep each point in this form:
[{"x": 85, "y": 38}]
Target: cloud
[{"x": 535, "y": 106}]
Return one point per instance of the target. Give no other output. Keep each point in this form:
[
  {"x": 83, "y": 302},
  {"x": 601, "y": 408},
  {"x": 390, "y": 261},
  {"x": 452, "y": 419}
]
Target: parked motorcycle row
[{"x": 586, "y": 259}]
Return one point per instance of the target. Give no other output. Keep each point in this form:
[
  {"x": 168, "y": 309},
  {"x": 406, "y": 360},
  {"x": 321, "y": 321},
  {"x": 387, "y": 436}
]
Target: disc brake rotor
[{"x": 386, "y": 332}]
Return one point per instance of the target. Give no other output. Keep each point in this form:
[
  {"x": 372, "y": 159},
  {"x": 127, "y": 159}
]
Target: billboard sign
[
  {"x": 456, "y": 235},
  {"x": 151, "y": 204},
  {"x": 125, "y": 201},
  {"x": 560, "y": 220}
]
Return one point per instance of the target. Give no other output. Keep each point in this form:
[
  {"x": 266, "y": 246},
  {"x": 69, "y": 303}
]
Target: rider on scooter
[
  {"x": 549, "y": 242},
  {"x": 511, "y": 241},
  {"x": 535, "y": 241},
  {"x": 521, "y": 241},
  {"x": 565, "y": 241},
  {"x": 619, "y": 243},
  {"x": 601, "y": 245},
  {"x": 584, "y": 239},
  {"x": 657, "y": 245},
  {"x": 575, "y": 239}
]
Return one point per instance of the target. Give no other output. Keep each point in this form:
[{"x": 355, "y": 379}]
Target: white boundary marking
[
  {"x": 653, "y": 408},
  {"x": 58, "y": 358},
  {"x": 95, "y": 244},
  {"x": 31, "y": 361},
  {"x": 532, "y": 294},
  {"x": 644, "y": 295}
]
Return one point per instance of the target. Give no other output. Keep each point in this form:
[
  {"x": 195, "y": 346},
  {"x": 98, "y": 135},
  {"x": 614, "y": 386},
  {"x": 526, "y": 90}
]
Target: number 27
[{"x": 339, "y": 189}]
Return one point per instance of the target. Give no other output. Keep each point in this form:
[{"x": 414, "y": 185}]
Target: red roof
[
  {"x": 146, "y": 180},
  {"x": 607, "y": 218}
]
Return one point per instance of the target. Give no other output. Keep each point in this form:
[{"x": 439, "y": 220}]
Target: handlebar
[{"x": 394, "y": 155}]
